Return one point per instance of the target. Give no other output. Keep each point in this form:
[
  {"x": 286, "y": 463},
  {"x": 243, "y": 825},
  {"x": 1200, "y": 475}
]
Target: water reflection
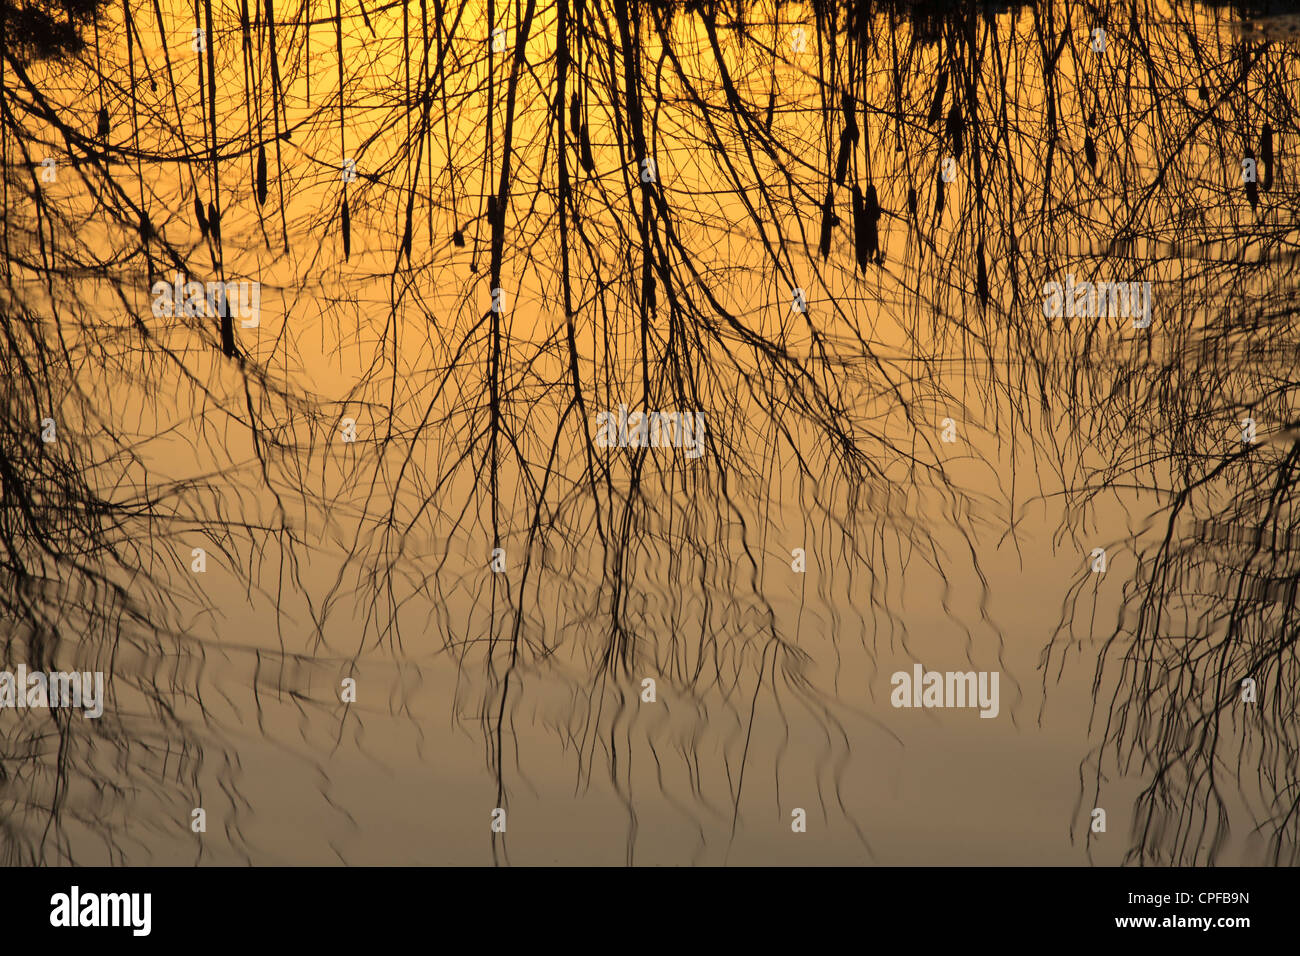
[{"x": 824, "y": 229}]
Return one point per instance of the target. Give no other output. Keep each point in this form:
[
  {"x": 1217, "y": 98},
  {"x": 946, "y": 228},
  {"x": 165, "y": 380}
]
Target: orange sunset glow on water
[{"x": 649, "y": 434}]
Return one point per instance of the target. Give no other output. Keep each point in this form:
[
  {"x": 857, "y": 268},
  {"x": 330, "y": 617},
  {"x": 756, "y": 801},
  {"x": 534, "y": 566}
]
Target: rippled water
[{"x": 670, "y": 175}]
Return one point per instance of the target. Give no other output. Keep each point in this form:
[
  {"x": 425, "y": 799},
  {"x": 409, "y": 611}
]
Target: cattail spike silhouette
[
  {"x": 911, "y": 201},
  {"x": 588, "y": 161},
  {"x": 847, "y": 108},
  {"x": 938, "y": 197},
  {"x": 936, "y": 108},
  {"x": 981, "y": 274},
  {"x": 828, "y": 222},
  {"x": 956, "y": 127},
  {"x": 347, "y": 230},
  {"x": 575, "y": 115},
  {"x": 871, "y": 213},
  {"x": 103, "y": 123},
  {"x": 458, "y": 238},
  {"x": 201, "y": 216},
  {"x": 214, "y": 223},
  {"x": 1252, "y": 188},
  {"x": 261, "y": 175},
  {"x": 842, "y": 158},
  {"x": 1090, "y": 152},
  {"x": 1266, "y": 154},
  {"x": 847, "y": 138}
]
